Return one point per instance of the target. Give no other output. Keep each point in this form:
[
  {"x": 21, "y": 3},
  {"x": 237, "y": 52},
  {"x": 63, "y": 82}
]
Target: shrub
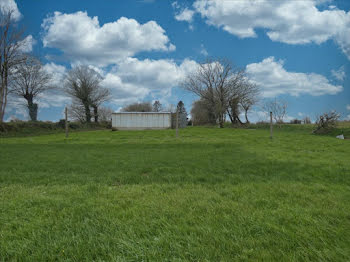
[
  {"x": 326, "y": 122},
  {"x": 74, "y": 125},
  {"x": 61, "y": 123},
  {"x": 17, "y": 127}
]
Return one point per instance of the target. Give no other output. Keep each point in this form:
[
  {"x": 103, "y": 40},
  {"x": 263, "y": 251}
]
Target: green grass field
[{"x": 210, "y": 195}]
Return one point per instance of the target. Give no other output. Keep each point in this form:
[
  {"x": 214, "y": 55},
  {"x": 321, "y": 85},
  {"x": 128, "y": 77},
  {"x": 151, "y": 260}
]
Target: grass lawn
[{"x": 210, "y": 195}]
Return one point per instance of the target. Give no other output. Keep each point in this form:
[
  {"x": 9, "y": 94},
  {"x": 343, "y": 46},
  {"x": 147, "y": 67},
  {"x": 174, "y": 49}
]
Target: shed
[{"x": 141, "y": 120}]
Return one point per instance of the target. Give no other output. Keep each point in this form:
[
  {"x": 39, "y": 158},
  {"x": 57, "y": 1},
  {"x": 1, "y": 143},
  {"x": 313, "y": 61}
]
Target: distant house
[{"x": 141, "y": 120}]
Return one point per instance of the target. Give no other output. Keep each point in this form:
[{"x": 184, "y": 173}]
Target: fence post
[
  {"x": 66, "y": 121},
  {"x": 271, "y": 126},
  {"x": 177, "y": 122}
]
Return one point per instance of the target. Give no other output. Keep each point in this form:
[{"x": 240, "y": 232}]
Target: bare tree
[
  {"x": 29, "y": 81},
  {"x": 77, "y": 112},
  {"x": 83, "y": 85},
  {"x": 214, "y": 82},
  {"x": 278, "y": 109},
  {"x": 157, "y": 106},
  {"x": 326, "y": 122},
  {"x": 244, "y": 95},
  {"x": 233, "y": 109},
  {"x": 105, "y": 114},
  {"x": 10, "y": 54},
  {"x": 200, "y": 113},
  {"x": 99, "y": 96},
  {"x": 249, "y": 97},
  {"x": 138, "y": 107}
]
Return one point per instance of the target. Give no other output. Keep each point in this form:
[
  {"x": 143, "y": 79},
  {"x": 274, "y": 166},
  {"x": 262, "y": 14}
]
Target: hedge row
[{"x": 17, "y": 128}]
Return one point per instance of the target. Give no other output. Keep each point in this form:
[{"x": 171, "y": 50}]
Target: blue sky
[{"x": 296, "y": 50}]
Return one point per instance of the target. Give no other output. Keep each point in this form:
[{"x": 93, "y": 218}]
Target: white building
[{"x": 141, "y": 120}]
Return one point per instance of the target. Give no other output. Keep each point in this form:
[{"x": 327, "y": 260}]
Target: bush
[
  {"x": 326, "y": 122},
  {"x": 75, "y": 125},
  {"x": 61, "y": 123},
  {"x": 20, "y": 128}
]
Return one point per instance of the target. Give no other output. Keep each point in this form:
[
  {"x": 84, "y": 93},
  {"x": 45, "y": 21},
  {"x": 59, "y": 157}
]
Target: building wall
[{"x": 141, "y": 120}]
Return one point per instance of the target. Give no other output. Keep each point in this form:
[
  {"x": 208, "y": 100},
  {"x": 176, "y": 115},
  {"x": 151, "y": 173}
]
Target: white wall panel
[{"x": 141, "y": 120}]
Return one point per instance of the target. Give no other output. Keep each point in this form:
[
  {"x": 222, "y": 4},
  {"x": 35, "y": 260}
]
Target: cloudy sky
[{"x": 298, "y": 50}]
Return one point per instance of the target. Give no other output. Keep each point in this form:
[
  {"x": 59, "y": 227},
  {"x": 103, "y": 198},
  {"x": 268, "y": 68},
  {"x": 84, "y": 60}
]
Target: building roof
[{"x": 141, "y": 113}]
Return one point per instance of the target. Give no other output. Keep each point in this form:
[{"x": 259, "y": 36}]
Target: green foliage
[
  {"x": 182, "y": 115},
  {"x": 157, "y": 106},
  {"x": 210, "y": 195},
  {"x": 138, "y": 107},
  {"x": 16, "y": 128},
  {"x": 32, "y": 128},
  {"x": 343, "y": 127},
  {"x": 327, "y": 122},
  {"x": 201, "y": 113}
]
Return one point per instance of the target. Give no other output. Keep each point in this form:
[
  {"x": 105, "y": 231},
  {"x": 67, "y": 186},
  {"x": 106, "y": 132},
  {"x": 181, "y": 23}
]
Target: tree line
[
  {"x": 22, "y": 75},
  {"x": 224, "y": 91}
]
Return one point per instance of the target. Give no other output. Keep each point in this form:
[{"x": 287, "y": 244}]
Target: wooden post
[
  {"x": 66, "y": 122},
  {"x": 271, "y": 126},
  {"x": 177, "y": 122}
]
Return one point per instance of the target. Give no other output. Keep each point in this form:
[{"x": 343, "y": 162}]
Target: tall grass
[{"x": 210, "y": 195}]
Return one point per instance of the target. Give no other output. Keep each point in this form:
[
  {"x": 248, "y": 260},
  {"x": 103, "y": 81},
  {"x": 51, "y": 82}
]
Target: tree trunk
[
  {"x": 32, "y": 107},
  {"x": 2, "y": 98},
  {"x": 237, "y": 120},
  {"x": 234, "y": 117},
  {"x": 246, "y": 117},
  {"x": 230, "y": 116},
  {"x": 33, "y": 111},
  {"x": 212, "y": 118},
  {"x": 95, "y": 114},
  {"x": 87, "y": 113},
  {"x": 3, "y": 95},
  {"x": 221, "y": 121}
]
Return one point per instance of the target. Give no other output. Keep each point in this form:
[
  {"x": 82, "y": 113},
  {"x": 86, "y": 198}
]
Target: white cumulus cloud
[
  {"x": 27, "y": 44},
  {"x": 291, "y": 22},
  {"x": 339, "y": 74},
  {"x": 185, "y": 15},
  {"x": 10, "y": 5},
  {"x": 57, "y": 72},
  {"x": 132, "y": 80},
  {"x": 54, "y": 97},
  {"x": 274, "y": 80},
  {"x": 82, "y": 38}
]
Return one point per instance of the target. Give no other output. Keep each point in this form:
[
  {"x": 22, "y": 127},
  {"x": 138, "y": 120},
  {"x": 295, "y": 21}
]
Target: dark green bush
[
  {"x": 24, "y": 128},
  {"x": 61, "y": 123}
]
